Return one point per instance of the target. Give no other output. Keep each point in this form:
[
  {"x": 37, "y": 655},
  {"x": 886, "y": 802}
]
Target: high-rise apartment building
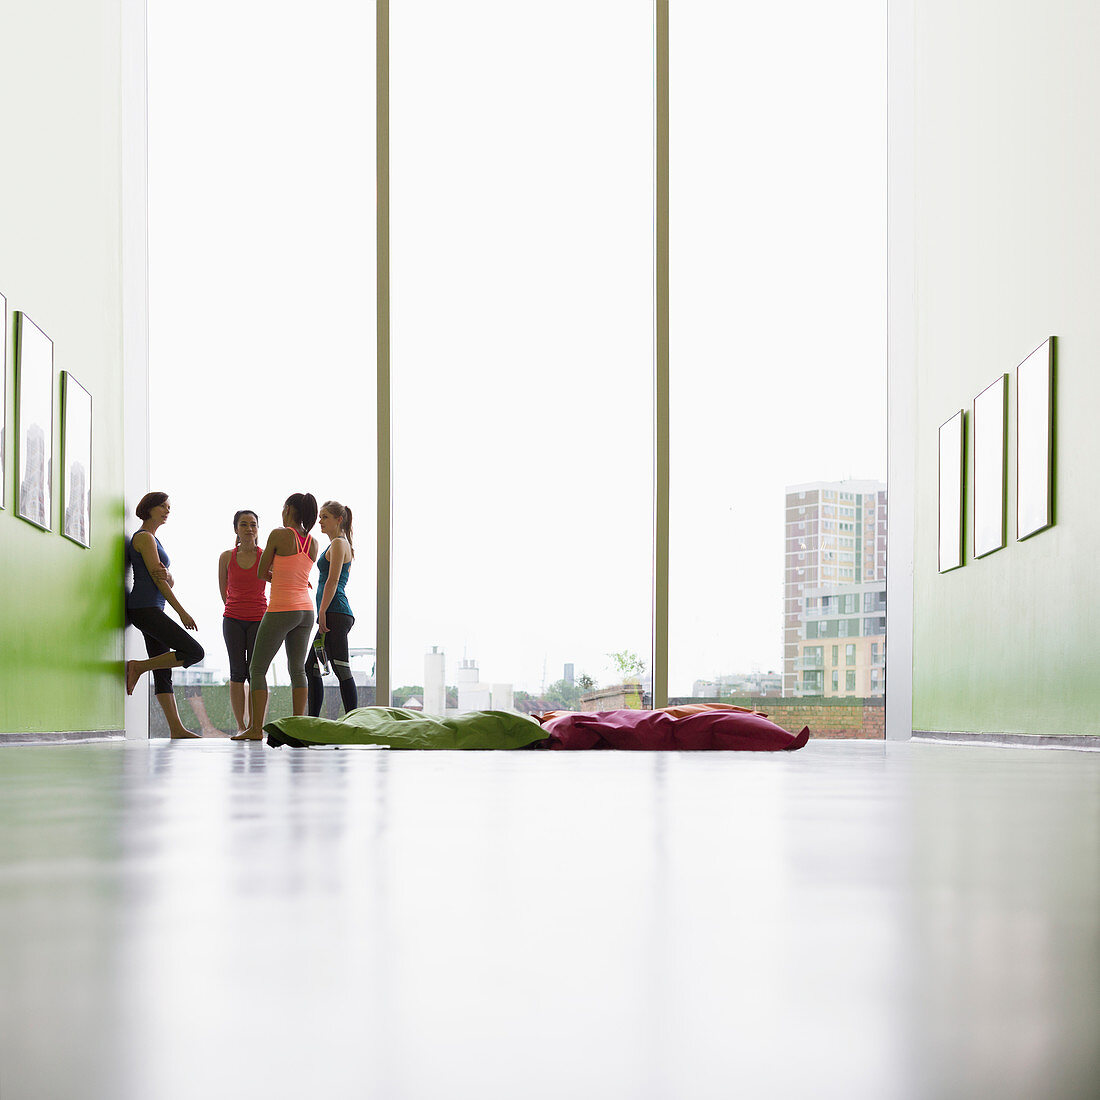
[{"x": 834, "y": 589}]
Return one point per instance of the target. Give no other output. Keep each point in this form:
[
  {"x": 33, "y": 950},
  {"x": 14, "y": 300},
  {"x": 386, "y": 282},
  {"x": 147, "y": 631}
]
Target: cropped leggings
[
  {"x": 336, "y": 647},
  {"x": 162, "y": 635},
  {"x": 276, "y": 627},
  {"x": 240, "y": 641}
]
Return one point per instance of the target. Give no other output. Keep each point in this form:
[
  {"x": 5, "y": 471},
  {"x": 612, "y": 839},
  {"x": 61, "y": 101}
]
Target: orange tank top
[{"x": 290, "y": 579}]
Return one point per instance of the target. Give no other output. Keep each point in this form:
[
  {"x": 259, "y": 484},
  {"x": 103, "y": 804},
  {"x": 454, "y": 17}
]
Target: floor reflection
[
  {"x": 1006, "y": 876},
  {"x": 856, "y": 920}
]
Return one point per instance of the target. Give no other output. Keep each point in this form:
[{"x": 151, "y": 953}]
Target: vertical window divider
[
  {"x": 384, "y": 538},
  {"x": 659, "y": 652}
]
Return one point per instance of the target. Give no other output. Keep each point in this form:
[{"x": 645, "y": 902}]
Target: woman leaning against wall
[{"x": 168, "y": 644}]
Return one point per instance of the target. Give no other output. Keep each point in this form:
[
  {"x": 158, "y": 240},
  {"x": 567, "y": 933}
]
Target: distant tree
[
  {"x": 628, "y": 665},
  {"x": 586, "y": 683},
  {"x": 563, "y": 695},
  {"x": 452, "y": 697},
  {"x": 402, "y": 695}
]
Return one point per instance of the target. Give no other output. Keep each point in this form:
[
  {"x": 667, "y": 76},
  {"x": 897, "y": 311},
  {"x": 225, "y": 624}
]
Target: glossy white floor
[{"x": 211, "y": 919}]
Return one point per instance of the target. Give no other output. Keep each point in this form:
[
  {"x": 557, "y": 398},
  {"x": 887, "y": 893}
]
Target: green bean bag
[{"x": 409, "y": 729}]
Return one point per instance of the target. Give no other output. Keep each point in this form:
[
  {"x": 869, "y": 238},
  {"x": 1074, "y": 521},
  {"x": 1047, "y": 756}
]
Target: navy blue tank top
[{"x": 144, "y": 593}]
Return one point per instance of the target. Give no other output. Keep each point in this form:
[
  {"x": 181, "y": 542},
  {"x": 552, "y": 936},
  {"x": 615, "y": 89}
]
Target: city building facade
[{"x": 834, "y": 589}]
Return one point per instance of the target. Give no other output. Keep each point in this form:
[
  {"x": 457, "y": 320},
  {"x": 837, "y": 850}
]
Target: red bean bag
[{"x": 677, "y": 729}]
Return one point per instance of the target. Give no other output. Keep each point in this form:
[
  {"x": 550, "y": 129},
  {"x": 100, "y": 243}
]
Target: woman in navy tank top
[{"x": 169, "y": 645}]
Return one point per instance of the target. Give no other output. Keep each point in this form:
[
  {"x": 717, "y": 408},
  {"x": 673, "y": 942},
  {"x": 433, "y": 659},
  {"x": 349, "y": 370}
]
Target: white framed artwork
[
  {"x": 76, "y": 460},
  {"x": 989, "y": 425},
  {"x": 1035, "y": 441},
  {"x": 951, "y": 487},
  {"x": 3, "y": 399},
  {"x": 34, "y": 409}
]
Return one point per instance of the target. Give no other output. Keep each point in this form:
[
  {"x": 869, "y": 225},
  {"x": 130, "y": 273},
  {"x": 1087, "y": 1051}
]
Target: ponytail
[
  {"x": 343, "y": 513},
  {"x": 305, "y": 508}
]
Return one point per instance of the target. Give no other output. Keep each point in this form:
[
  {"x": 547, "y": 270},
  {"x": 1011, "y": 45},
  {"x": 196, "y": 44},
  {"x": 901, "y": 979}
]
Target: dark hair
[
  {"x": 343, "y": 513},
  {"x": 237, "y": 519},
  {"x": 147, "y": 503},
  {"x": 305, "y": 508}
]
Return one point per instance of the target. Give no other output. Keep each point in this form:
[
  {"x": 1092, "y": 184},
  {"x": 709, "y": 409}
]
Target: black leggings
[
  {"x": 240, "y": 641},
  {"x": 162, "y": 635},
  {"x": 336, "y": 646}
]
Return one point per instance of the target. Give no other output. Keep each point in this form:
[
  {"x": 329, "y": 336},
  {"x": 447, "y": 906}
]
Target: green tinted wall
[
  {"x": 1007, "y": 239},
  {"x": 61, "y": 605}
]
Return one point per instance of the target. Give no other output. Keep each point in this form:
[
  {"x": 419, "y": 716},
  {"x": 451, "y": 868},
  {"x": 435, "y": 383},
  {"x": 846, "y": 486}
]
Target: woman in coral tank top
[
  {"x": 244, "y": 594},
  {"x": 289, "y": 553}
]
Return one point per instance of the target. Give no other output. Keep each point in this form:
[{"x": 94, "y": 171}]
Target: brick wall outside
[
  {"x": 618, "y": 697},
  {"x": 827, "y": 718},
  {"x": 215, "y": 699}
]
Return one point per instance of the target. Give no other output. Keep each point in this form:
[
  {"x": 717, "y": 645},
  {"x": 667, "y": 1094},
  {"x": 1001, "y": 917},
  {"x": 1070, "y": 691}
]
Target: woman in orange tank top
[{"x": 289, "y": 553}]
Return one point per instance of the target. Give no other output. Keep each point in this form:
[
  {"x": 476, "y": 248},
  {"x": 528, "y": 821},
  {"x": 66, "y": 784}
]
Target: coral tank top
[{"x": 290, "y": 579}]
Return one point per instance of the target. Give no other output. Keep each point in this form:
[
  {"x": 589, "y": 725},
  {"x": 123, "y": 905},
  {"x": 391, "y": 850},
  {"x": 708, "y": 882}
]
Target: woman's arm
[
  {"x": 146, "y": 545},
  {"x": 338, "y": 553},
  {"x": 223, "y": 575},
  {"x": 263, "y": 567}
]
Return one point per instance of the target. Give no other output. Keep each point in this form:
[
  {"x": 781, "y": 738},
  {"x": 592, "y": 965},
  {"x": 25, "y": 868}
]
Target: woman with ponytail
[
  {"x": 334, "y": 617},
  {"x": 289, "y": 554}
]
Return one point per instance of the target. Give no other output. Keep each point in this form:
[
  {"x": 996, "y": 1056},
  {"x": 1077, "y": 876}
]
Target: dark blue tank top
[
  {"x": 339, "y": 600},
  {"x": 144, "y": 593}
]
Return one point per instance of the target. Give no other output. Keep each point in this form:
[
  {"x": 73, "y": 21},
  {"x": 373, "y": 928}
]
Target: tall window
[
  {"x": 521, "y": 156},
  {"x": 778, "y": 343},
  {"x": 261, "y": 284},
  {"x": 521, "y": 259}
]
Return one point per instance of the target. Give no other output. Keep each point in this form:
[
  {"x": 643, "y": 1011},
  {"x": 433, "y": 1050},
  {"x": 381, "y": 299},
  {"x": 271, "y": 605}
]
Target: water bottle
[{"x": 321, "y": 655}]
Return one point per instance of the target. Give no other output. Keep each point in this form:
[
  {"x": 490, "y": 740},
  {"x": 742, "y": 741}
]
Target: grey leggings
[{"x": 293, "y": 627}]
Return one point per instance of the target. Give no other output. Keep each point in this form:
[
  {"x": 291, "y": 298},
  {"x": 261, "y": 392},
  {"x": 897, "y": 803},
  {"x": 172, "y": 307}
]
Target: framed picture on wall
[
  {"x": 990, "y": 428},
  {"x": 951, "y": 486},
  {"x": 3, "y": 398},
  {"x": 34, "y": 409},
  {"x": 1035, "y": 441},
  {"x": 76, "y": 460}
]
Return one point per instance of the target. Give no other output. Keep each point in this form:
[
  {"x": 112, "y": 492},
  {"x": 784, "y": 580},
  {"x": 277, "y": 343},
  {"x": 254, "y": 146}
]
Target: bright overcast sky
[{"x": 522, "y": 307}]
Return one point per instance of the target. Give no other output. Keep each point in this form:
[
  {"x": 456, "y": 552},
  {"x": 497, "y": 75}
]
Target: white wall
[
  {"x": 1006, "y": 225},
  {"x": 62, "y": 209},
  {"x": 72, "y": 227}
]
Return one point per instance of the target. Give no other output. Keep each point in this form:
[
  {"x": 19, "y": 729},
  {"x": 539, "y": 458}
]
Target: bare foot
[
  {"x": 247, "y": 735},
  {"x": 184, "y": 735},
  {"x": 132, "y": 677}
]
